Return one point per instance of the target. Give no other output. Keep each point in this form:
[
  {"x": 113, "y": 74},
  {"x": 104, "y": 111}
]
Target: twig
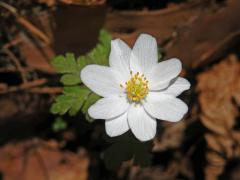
[
  {"x": 23, "y": 86},
  {"x": 13, "y": 42},
  {"x": 10, "y": 8},
  {"x": 31, "y": 87},
  {"x": 24, "y": 22},
  {"x": 33, "y": 29},
  {"x": 31, "y": 84},
  {"x": 46, "y": 90},
  {"x": 11, "y": 69},
  {"x": 16, "y": 62}
]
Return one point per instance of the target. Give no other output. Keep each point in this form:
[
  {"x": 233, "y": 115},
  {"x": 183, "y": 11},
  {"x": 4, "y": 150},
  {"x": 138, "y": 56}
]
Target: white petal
[
  {"x": 102, "y": 80},
  {"x": 161, "y": 74},
  {"x": 117, "y": 126},
  {"x": 144, "y": 54},
  {"x": 165, "y": 107},
  {"x": 119, "y": 57},
  {"x": 177, "y": 87},
  {"x": 142, "y": 125},
  {"x": 109, "y": 107}
]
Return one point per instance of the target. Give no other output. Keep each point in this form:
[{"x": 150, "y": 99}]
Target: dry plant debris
[
  {"x": 172, "y": 137},
  {"x": 219, "y": 99},
  {"x": 179, "y": 30},
  {"x": 42, "y": 160}
]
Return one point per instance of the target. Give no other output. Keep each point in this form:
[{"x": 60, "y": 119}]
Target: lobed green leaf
[
  {"x": 65, "y": 64},
  {"x": 70, "y": 79},
  {"x": 71, "y": 100},
  {"x": 59, "y": 124},
  {"x": 75, "y": 96}
]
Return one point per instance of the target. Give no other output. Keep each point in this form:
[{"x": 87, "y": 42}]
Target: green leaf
[
  {"x": 126, "y": 147},
  {"x": 143, "y": 155},
  {"x": 80, "y": 99},
  {"x": 92, "y": 98},
  {"x": 88, "y": 118},
  {"x": 62, "y": 105},
  {"x": 81, "y": 62},
  {"x": 77, "y": 97},
  {"x": 116, "y": 154},
  {"x": 160, "y": 52},
  {"x": 65, "y": 64},
  {"x": 104, "y": 37},
  {"x": 99, "y": 55},
  {"x": 73, "y": 90},
  {"x": 70, "y": 79},
  {"x": 59, "y": 124},
  {"x": 71, "y": 100}
]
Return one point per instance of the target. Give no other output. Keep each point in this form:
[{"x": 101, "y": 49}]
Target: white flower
[{"x": 136, "y": 89}]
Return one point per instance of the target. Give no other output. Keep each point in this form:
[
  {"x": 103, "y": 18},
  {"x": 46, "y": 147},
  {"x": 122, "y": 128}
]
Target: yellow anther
[{"x": 136, "y": 87}]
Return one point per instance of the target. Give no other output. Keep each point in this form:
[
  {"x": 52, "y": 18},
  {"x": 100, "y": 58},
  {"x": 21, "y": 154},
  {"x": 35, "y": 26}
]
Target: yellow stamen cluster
[{"x": 136, "y": 87}]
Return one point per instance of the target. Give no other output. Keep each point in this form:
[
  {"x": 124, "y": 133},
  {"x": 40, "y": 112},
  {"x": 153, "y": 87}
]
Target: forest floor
[{"x": 204, "y": 34}]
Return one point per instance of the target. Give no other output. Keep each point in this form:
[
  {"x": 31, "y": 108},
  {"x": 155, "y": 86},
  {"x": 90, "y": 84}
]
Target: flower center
[{"x": 136, "y": 87}]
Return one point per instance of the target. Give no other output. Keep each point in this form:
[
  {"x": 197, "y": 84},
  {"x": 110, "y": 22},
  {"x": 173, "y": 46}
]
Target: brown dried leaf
[
  {"x": 40, "y": 160},
  {"x": 216, "y": 167},
  {"x": 84, "y": 2},
  {"x": 34, "y": 56},
  {"x": 212, "y": 143},
  {"x": 218, "y": 87},
  {"x": 50, "y": 3},
  {"x": 213, "y": 125},
  {"x": 175, "y": 167},
  {"x": 171, "y": 138}
]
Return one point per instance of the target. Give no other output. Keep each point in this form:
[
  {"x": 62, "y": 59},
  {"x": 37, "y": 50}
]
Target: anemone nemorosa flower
[{"x": 136, "y": 89}]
